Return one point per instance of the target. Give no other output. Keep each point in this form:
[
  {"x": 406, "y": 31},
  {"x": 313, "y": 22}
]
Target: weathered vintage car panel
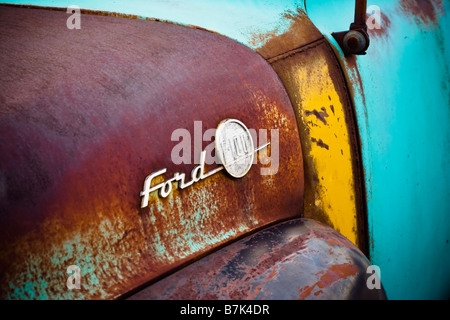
[
  {"x": 300, "y": 259},
  {"x": 86, "y": 116}
]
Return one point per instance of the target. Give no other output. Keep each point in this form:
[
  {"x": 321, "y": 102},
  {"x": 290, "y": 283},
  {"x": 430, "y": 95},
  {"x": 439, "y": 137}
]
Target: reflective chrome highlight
[{"x": 234, "y": 147}]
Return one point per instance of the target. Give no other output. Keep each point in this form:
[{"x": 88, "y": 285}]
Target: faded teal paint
[
  {"x": 30, "y": 291},
  {"x": 19, "y": 293},
  {"x": 403, "y": 118}
]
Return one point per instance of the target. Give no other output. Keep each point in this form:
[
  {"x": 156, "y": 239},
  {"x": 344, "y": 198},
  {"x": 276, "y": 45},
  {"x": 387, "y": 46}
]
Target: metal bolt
[{"x": 355, "y": 42}]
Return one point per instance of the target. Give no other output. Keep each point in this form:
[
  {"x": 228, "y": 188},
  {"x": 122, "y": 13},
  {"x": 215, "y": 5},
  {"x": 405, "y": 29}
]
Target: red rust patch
[
  {"x": 382, "y": 31},
  {"x": 427, "y": 11},
  {"x": 301, "y": 31},
  {"x": 333, "y": 274}
]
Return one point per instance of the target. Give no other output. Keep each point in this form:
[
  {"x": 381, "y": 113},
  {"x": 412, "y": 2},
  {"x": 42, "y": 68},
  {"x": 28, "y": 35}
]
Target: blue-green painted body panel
[
  {"x": 403, "y": 114},
  {"x": 401, "y": 92}
]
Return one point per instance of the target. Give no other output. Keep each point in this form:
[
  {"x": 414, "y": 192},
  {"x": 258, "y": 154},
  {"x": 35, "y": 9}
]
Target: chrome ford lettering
[{"x": 234, "y": 146}]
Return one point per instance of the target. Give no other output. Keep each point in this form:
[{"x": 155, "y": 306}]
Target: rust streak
[
  {"x": 353, "y": 66},
  {"x": 427, "y": 11},
  {"x": 332, "y": 275},
  {"x": 382, "y": 31}
]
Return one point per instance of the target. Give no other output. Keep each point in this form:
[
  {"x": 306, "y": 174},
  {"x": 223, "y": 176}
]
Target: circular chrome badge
[{"x": 234, "y": 147}]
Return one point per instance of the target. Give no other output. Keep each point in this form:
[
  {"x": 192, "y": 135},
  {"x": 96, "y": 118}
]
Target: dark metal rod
[{"x": 360, "y": 12}]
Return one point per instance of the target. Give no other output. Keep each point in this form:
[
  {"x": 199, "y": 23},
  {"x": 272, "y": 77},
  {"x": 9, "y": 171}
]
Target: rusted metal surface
[
  {"x": 87, "y": 114},
  {"x": 360, "y": 12},
  {"x": 297, "y": 259},
  {"x": 301, "y": 32}
]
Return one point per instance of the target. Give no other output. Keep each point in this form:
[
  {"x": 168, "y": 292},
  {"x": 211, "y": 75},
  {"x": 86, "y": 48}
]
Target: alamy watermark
[
  {"x": 183, "y": 153},
  {"x": 74, "y": 279},
  {"x": 374, "y": 280},
  {"x": 373, "y": 17},
  {"x": 74, "y": 21}
]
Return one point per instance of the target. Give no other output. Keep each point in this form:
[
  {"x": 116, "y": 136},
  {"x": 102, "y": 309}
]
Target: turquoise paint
[
  {"x": 404, "y": 119},
  {"x": 32, "y": 290}
]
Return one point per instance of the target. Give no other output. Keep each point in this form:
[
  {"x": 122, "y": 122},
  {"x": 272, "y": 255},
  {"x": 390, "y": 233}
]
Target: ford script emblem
[{"x": 234, "y": 149}]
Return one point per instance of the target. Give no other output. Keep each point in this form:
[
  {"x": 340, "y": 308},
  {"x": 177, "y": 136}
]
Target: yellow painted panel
[{"x": 322, "y": 113}]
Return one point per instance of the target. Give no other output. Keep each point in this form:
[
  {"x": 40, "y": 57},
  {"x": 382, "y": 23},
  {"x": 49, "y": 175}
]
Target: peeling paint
[
  {"x": 331, "y": 275},
  {"x": 323, "y": 110},
  {"x": 297, "y": 259}
]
